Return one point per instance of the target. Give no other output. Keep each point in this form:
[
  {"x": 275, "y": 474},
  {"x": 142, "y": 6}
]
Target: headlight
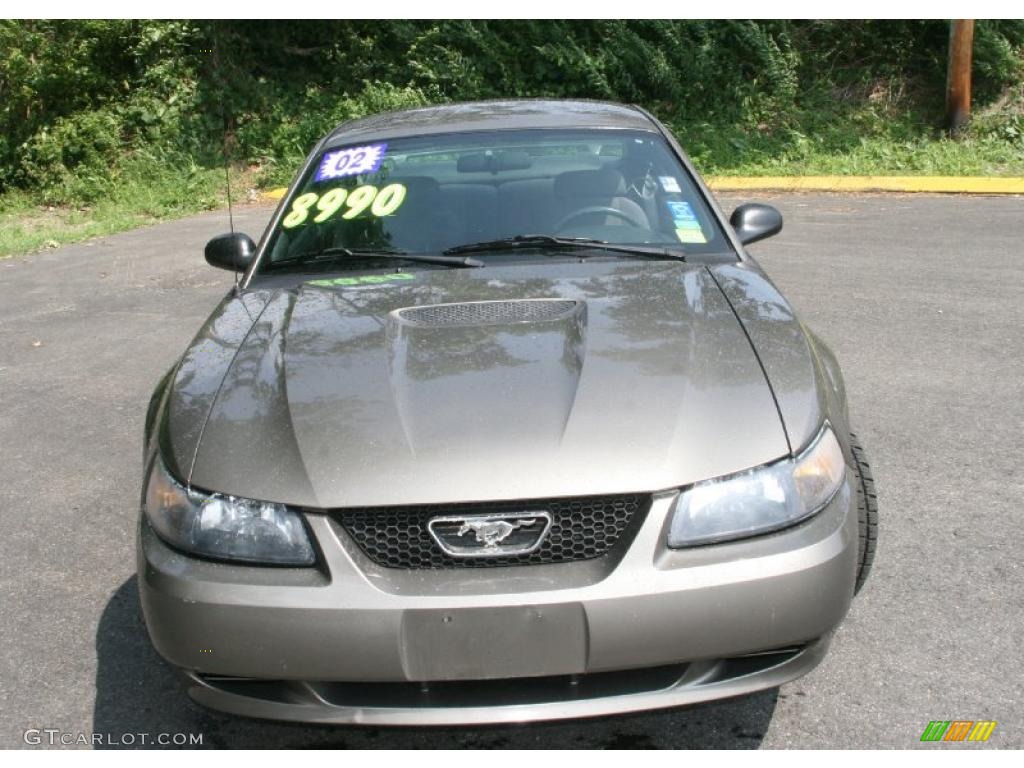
[
  {"x": 224, "y": 527},
  {"x": 760, "y": 500}
]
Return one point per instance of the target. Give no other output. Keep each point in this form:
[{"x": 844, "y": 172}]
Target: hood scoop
[
  {"x": 487, "y": 313},
  {"x": 463, "y": 376}
]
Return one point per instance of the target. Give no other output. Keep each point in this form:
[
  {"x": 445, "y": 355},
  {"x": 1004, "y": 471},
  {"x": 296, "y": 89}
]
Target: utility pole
[{"x": 958, "y": 75}]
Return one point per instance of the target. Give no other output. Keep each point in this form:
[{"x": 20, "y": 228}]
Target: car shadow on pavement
[{"x": 138, "y": 693}]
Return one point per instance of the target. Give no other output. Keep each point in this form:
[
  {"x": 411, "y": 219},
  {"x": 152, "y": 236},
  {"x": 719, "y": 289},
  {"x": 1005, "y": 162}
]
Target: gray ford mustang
[{"x": 500, "y": 423}]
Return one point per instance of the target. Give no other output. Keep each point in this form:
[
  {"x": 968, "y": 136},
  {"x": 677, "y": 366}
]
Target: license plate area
[{"x": 489, "y": 643}]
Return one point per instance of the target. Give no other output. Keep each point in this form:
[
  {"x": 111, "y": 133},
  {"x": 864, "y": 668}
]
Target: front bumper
[{"x": 553, "y": 640}]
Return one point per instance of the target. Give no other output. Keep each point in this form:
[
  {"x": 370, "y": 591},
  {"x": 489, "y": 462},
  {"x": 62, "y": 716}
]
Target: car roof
[{"x": 509, "y": 114}]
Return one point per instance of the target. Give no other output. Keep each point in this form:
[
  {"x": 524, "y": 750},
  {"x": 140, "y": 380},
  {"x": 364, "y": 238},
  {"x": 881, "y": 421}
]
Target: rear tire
[{"x": 867, "y": 513}]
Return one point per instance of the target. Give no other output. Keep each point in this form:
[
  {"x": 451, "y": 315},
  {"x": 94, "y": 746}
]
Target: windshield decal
[
  {"x": 379, "y": 202},
  {"x": 670, "y": 184},
  {"x": 691, "y": 236},
  {"x": 688, "y": 228},
  {"x": 361, "y": 281},
  {"x": 350, "y": 162}
]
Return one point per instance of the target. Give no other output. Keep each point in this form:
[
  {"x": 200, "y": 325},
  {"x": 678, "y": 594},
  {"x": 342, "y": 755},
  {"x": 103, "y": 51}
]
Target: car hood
[{"x": 468, "y": 385}]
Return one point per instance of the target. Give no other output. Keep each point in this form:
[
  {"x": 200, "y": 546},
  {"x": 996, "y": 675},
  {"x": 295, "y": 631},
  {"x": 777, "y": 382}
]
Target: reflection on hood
[{"x": 598, "y": 377}]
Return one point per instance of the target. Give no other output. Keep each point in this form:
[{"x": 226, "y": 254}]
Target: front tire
[{"x": 867, "y": 513}]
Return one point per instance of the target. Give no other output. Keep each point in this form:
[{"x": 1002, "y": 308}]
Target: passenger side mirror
[
  {"x": 754, "y": 221},
  {"x": 233, "y": 251}
]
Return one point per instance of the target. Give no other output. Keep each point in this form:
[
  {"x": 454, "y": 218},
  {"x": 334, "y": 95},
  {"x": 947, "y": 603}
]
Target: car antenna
[
  {"x": 224, "y": 142},
  {"x": 227, "y": 185}
]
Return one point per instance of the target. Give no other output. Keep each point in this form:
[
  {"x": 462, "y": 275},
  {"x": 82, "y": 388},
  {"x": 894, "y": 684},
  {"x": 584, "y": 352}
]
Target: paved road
[{"x": 921, "y": 297}]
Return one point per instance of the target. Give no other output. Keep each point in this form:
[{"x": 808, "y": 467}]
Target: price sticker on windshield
[
  {"x": 350, "y": 162},
  {"x": 365, "y": 199}
]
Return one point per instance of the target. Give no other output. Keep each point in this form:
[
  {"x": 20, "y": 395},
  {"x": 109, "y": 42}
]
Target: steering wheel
[{"x": 606, "y": 209}]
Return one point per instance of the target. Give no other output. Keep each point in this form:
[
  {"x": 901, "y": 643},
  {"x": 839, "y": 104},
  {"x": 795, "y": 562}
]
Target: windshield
[{"x": 428, "y": 194}]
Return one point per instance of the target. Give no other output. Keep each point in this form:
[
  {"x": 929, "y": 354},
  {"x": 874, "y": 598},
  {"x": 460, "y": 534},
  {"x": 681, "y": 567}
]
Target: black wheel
[{"x": 867, "y": 513}]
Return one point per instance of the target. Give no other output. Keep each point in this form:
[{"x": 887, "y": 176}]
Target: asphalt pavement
[{"x": 922, "y": 299}]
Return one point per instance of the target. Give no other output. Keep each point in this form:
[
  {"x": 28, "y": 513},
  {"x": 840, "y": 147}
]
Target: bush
[{"x": 74, "y": 158}]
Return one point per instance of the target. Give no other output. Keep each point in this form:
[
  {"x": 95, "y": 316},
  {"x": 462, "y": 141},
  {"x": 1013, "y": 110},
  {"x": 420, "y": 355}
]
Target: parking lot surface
[{"x": 922, "y": 299}]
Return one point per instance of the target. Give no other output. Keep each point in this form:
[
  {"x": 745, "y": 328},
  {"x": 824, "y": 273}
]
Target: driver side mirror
[
  {"x": 233, "y": 251},
  {"x": 754, "y": 221}
]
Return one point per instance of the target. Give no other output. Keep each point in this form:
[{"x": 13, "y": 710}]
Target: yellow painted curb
[
  {"x": 977, "y": 185},
  {"x": 983, "y": 185}
]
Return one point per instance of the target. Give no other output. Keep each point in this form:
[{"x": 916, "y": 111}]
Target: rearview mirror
[
  {"x": 491, "y": 162},
  {"x": 233, "y": 251},
  {"x": 754, "y": 221}
]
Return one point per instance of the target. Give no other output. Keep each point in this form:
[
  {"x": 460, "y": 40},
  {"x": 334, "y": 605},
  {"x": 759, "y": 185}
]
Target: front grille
[
  {"x": 582, "y": 528},
  {"x": 487, "y": 313}
]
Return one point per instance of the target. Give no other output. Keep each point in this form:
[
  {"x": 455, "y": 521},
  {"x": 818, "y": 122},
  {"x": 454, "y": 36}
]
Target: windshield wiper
[
  {"x": 382, "y": 253},
  {"x": 551, "y": 241}
]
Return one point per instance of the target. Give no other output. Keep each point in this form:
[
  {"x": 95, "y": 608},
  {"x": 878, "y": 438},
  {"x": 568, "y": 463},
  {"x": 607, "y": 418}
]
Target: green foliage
[
  {"x": 75, "y": 156},
  {"x": 90, "y": 108}
]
